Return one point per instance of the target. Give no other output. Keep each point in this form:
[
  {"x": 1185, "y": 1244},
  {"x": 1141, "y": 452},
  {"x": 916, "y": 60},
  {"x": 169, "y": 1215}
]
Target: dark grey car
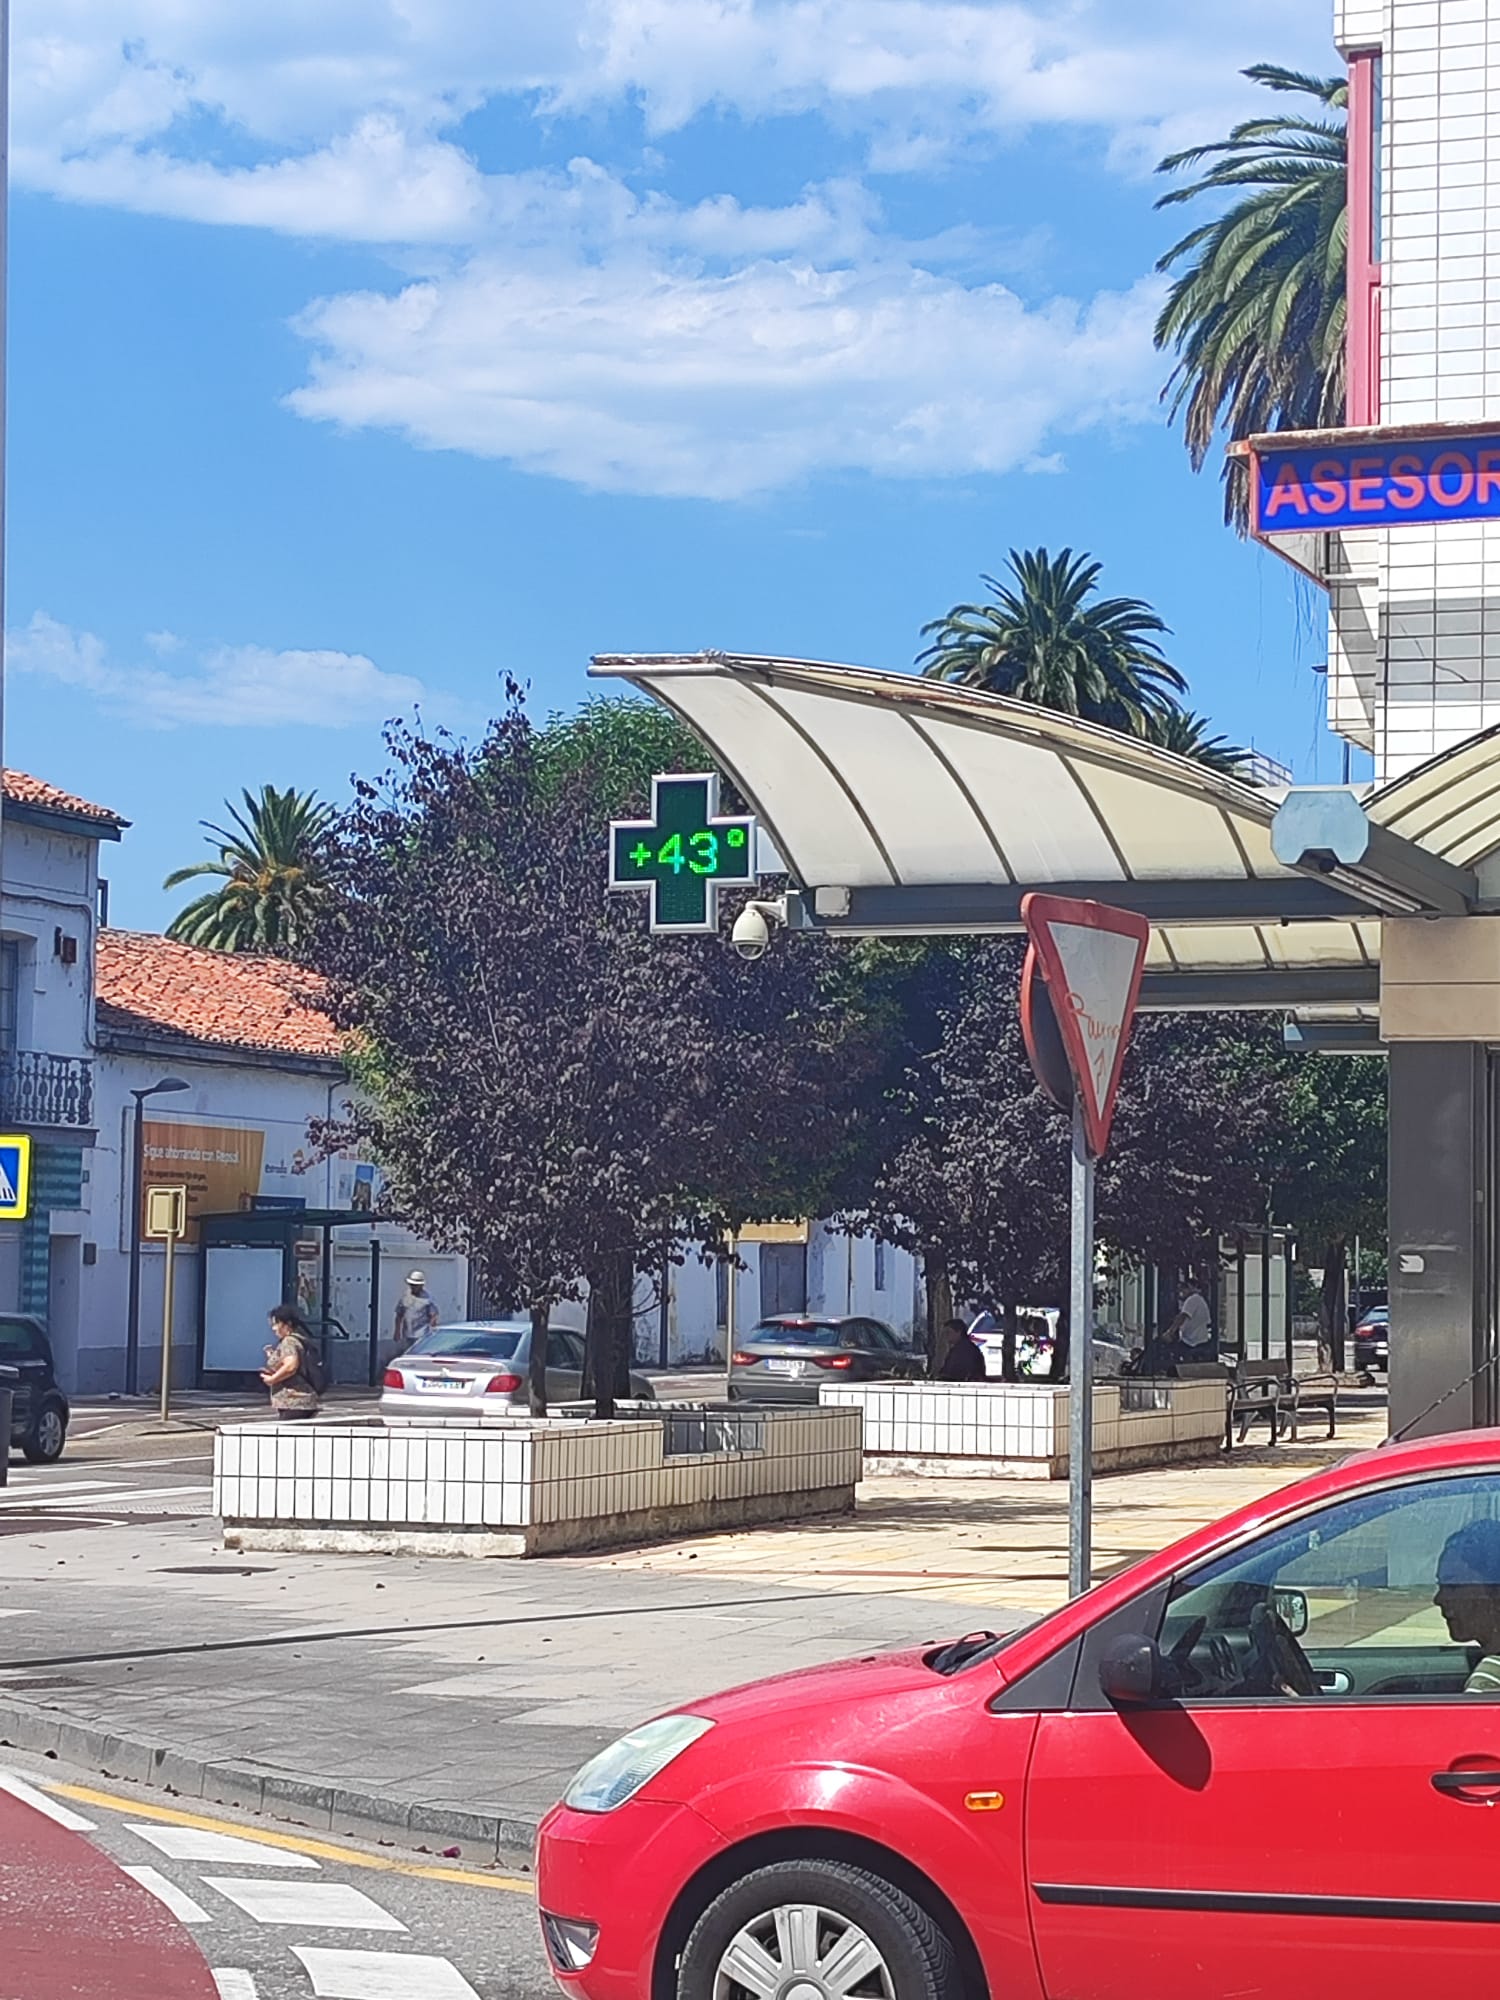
[
  {"x": 786, "y": 1358},
  {"x": 39, "y": 1412}
]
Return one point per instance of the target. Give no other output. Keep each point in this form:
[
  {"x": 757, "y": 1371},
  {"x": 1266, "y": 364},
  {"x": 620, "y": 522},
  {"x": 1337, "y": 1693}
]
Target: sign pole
[
  {"x": 168, "y": 1286},
  {"x": 1079, "y": 988},
  {"x": 1081, "y": 1366}
]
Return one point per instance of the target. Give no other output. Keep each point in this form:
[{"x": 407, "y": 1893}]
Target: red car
[{"x": 1264, "y": 1762}]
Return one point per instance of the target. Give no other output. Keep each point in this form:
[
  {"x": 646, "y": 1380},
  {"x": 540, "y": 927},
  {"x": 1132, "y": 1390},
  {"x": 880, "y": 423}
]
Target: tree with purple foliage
[{"x": 551, "y": 1089}]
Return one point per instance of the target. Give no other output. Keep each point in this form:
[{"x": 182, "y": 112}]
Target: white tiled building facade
[{"x": 1414, "y": 659}]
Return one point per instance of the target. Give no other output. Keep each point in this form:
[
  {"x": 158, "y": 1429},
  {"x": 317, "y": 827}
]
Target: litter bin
[{"x": 9, "y": 1377}]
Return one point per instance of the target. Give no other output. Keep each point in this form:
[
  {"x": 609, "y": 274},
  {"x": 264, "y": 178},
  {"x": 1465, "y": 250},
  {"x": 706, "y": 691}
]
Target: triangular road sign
[{"x": 1093, "y": 957}]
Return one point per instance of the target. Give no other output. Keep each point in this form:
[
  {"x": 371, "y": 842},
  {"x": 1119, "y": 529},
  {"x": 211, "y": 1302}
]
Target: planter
[
  {"x": 1020, "y": 1430},
  {"x": 522, "y": 1486}
]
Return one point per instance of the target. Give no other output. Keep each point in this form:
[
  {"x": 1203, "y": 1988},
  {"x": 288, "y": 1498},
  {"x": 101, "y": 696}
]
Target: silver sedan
[{"x": 458, "y": 1374}]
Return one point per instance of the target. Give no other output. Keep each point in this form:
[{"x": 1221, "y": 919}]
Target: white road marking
[
  {"x": 177, "y": 1900},
  {"x": 108, "y": 1496},
  {"x": 382, "y": 1975},
  {"x": 193, "y": 1843},
  {"x": 234, "y": 1985},
  {"x": 313, "y": 1905},
  {"x": 23, "y": 1489},
  {"x": 29, "y": 1796}
]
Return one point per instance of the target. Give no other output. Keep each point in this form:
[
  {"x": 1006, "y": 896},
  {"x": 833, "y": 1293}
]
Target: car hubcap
[
  {"x": 49, "y": 1432},
  {"x": 800, "y": 1952}
]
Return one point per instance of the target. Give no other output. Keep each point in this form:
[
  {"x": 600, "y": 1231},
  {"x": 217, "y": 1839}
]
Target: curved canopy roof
[
  {"x": 908, "y": 805},
  {"x": 1450, "y": 805}
]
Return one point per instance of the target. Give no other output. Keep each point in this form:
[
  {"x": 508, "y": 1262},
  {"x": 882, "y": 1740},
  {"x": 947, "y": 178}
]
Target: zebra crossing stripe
[
  {"x": 178, "y": 1901},
  {"x": 382, "y": 1975},
  {"x": 234, "y": 1985}
]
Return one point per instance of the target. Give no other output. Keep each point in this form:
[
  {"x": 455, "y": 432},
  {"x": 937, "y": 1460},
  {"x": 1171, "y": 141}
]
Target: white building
[
  {"x": 50, "y": 892},
  {"x": 260, "y": 1065}
]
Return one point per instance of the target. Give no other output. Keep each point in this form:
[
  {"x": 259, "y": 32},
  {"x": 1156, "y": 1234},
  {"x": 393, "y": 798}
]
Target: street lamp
[{"x": 137, "y": 1176}]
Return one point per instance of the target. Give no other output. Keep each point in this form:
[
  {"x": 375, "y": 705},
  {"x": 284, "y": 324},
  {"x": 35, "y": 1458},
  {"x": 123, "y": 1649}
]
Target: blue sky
[{"x": 363, "y": 352}]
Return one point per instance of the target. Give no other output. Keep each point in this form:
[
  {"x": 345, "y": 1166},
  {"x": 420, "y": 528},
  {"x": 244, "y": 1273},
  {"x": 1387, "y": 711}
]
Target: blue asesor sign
[{"x": 1379, "y": 484}]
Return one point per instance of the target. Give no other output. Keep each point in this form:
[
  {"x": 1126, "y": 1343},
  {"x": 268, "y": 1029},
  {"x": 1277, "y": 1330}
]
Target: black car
[
  {"x": 786, "y": 1357},
  {"x": 39, "y": 1412}
]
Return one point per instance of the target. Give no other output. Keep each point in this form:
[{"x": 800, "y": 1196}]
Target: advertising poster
[{"x": 219, "y": 1165}]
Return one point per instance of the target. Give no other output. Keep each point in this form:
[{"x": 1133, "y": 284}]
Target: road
[{"x": 284, "y": 1916}]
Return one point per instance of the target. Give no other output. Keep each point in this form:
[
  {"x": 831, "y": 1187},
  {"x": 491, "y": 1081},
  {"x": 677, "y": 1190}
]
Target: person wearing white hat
[{"x": 415, "y": 1312}]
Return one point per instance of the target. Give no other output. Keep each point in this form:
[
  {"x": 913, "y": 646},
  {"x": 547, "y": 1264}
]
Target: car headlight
[{"x": 618, "y": 1773}]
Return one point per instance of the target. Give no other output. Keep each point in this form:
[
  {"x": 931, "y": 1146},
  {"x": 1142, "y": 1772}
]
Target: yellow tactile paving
[{"x": 1000, "y": 1543}]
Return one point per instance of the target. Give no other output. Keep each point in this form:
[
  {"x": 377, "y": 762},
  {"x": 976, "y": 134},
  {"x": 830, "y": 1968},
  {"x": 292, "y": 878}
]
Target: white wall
[
  {"x": 280, "y": 1102},
  {"x": 50, "y": 883},
  {"x": 1414, "y": 656},
  {"x": 841, "y": 1274}
]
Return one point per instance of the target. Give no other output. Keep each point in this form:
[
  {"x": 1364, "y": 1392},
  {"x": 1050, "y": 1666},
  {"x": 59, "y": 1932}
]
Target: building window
[
  {"x": 10, "y": 981},
  {"x": 881, "y": 1278}
]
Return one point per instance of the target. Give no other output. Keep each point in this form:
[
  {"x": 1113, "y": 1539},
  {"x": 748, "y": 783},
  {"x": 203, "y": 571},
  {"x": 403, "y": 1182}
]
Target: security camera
[{"x": 751, "y": 935}]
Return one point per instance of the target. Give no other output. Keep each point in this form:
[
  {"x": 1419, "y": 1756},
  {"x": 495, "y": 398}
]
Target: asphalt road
[{"x": 280, "y": 1915}]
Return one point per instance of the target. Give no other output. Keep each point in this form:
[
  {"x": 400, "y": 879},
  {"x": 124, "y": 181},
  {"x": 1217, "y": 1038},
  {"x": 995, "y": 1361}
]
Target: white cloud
[
  {"x": 227, "y": 687},
  {"x": 632, "y": 377},
  {"x": 574, "y": 325}
]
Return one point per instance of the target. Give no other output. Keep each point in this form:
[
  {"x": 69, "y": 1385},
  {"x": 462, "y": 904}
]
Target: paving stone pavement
[{"x": 460, "y": 1696}]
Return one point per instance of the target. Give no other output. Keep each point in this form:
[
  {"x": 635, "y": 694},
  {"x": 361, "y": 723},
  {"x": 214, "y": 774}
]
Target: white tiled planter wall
[
  {"x": 519, "y": 1487},
  {"x": 1019, "y": 1430}
]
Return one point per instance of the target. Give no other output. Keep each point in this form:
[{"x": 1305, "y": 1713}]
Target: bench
[{"x": 1269, "y": 1389}]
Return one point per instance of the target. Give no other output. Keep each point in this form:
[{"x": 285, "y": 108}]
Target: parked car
[
  {"x": 1372, "y": 1339},
  {"x": 1149, "y": 1791},
  {"x": 39, "y": 1410},
  {"x": 459, "y": 1372},
  {"x": 785, "y": 1358}
]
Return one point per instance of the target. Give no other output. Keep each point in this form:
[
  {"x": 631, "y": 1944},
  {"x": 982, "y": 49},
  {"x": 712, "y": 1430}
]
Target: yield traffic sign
[{"x": 1092, "y": 958}]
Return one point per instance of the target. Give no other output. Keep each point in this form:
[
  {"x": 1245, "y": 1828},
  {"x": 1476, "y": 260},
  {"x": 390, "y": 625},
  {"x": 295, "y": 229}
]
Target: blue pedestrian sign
[{"x": 15, "y": 1176}]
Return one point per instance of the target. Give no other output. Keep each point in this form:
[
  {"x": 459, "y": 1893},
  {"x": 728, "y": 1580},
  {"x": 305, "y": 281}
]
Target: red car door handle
[{"x": 1458, "y": 1784}]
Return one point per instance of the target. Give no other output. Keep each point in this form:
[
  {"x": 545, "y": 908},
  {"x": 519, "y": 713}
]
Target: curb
[{"x": 253, "y": 1789}]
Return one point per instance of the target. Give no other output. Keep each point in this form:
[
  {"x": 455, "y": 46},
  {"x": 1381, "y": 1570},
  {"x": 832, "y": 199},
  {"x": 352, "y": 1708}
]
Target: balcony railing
[{"x": 46, "y": 1090}]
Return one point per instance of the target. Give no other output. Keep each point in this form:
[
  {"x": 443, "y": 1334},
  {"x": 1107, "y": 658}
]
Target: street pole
[
  {"x": 137, "y": 1193},
  {"x": 1081, "y": 1367},
  {"x": 166, "y": 1325},
  {"x": 729, "y": 1304}
]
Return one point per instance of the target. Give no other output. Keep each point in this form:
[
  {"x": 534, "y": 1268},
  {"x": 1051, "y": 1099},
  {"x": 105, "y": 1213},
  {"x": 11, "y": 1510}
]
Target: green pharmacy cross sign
[{"x": 683, "y": 854}]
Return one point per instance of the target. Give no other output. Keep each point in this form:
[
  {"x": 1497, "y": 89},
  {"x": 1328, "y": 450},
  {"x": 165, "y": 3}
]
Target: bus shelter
[
  {"x": 249, "y": 1260},
  {"x": 904, "y": 807}
]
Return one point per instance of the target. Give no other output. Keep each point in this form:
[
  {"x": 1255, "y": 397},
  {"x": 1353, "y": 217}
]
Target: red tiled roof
[
  {"x": 27, "y": 791},
  {"x": 152, "y": 985}
]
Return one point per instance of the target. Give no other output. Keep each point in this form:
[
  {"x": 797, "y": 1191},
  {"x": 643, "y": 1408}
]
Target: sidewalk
[{"x": 457, "y": 1698}]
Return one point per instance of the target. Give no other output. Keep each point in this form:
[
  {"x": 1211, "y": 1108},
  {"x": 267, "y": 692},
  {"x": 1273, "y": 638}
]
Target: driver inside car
[{"x": 1468, "y": 1595}]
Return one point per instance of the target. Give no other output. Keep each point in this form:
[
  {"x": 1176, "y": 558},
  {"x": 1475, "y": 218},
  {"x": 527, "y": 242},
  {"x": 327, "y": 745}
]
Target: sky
[{"x": 363, "y": 353}]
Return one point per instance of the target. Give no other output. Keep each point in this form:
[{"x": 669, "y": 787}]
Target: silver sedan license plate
[
  {"x": 445, "y": 1381},
  {"x": 785, "y": 1367}
]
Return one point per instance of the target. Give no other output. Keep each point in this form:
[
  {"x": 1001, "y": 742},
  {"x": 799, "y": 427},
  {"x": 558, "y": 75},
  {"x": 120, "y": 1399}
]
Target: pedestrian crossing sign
[{"x": 15, "y": 1176}]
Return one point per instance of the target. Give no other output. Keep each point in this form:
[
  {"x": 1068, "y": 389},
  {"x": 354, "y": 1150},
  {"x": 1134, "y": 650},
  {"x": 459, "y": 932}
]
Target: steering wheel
[{"x": 1276, "y": 1658}]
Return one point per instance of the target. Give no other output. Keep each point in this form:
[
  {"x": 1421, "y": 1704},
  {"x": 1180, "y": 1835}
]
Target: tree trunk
[
  {"x": 1333, "y": 1304},
  {"x": 610, "y": 1330},
  {"x": 1057, "y": 1367},
  {"x": 1009, "y": 1327},
  {"x": 536, "y": 1373},
  {"x": 939, "y": 1305}
]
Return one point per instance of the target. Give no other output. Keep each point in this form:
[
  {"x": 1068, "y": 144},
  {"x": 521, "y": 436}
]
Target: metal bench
[{"x": 1269, "y": 1389}]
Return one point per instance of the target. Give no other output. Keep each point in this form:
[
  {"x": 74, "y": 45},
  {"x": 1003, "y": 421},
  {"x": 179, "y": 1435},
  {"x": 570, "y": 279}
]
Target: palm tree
[
  {"x": 1181, "y": 730},
  {"x": 1257, "y": 314},
  {"x": 1042, "y": 640},
  {"x": 272, "y": 866}
]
